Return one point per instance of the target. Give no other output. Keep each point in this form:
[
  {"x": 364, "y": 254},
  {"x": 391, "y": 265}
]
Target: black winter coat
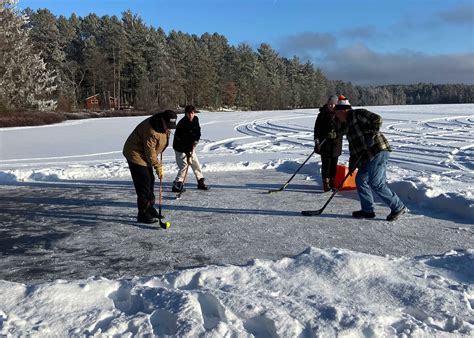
[
  {"x": 186, "y": 135},
  {"x": 325, "y": 123}
]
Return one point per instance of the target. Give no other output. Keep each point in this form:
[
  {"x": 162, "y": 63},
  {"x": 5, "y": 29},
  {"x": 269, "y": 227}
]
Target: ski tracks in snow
[
  {"x": 442, "y": 145},
  {"x": 267, "y": 135}
]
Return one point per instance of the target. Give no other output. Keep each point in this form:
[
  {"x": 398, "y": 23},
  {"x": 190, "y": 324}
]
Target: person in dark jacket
[
  {"x": 186, "y": 138},
  {"x": 369, "y": 152},
  {"x": 328, "y": 134},
  {"x": 148, "y": 139}
]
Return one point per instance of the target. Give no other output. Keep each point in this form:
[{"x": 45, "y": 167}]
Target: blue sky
[{"x": 362, "y": 41}]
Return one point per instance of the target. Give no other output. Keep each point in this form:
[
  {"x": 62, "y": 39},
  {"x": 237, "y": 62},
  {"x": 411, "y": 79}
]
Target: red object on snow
[{"x": 349, "y": 183}]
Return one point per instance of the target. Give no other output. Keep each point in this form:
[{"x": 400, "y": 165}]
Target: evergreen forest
[{"x": 50, "y": 62}]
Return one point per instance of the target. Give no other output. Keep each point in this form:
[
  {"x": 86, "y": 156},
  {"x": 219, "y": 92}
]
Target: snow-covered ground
[{"x": 237, "y": 261}]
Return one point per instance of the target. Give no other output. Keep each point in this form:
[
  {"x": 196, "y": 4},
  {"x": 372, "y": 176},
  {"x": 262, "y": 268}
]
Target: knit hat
[
  {"x": 342, "y": 103},
  {"x": 332, "y": 99},
  {"x": 169, "y": 117}
]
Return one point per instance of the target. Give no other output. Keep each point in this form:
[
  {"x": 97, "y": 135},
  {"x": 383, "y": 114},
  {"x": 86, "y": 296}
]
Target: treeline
[
  {"x": 143, "y": 67},
  {"x": 421, "y": 93},
  {"x": 149, "y": 69}
]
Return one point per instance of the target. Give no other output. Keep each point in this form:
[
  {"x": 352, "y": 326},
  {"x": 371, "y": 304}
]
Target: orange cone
[{"x": 341, "y": 172}]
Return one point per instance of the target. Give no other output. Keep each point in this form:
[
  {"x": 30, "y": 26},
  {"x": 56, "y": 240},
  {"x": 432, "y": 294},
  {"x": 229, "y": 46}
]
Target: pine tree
[
  {"x": 246, "y": 71},
  {"x": 24, "y": 80}
]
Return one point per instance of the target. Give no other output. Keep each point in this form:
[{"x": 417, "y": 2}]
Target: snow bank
[
  {"x": 429, "y": 194},
  {"x": 432, "y": 194},
  {"x": 323, "y": 292},
  {"x": 106, "y": 170}
]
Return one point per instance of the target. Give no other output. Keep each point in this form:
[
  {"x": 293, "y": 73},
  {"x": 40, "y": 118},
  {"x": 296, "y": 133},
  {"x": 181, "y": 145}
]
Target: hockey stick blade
[
  {"x": 312, "y": 212},
  {"x": 165, "y": 225},
  {"x": 272, "y": 191},
  {"x": 320, "y": 211}
]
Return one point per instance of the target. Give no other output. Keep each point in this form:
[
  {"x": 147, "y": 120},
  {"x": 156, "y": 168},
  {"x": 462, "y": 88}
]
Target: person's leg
[
  {"x": 363, "y": 190},
  {"x": 196, "y": 166},
  {"x": 182, "y": 163},
  {"x": 332, "y": 171},
  {"x": 194, "y": 161},
  {"x": 378, "y": 181},
  {"x": 151, "y": 193},
  {"x": 325, "y": 162},
  {"x": 325, "y": 169},
  {"x": 151, "y": 187},
  {"x": 142, "y": 181}
]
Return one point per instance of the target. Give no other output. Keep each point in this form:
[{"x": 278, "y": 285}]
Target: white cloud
[{"x": 361, "y": 65}]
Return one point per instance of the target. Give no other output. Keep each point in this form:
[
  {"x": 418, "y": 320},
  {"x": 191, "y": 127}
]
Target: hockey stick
[
  {"x": 164, "y": 225},
  {"x": 320, "y": 211},
  {"x": 297, "y": 170}
]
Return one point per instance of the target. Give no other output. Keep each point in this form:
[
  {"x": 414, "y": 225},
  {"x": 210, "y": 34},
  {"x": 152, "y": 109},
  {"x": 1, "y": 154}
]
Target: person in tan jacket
[{"x": 145, "y": 143}]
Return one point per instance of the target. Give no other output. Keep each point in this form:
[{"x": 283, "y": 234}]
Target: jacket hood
[{"x": 163, "y": 121}]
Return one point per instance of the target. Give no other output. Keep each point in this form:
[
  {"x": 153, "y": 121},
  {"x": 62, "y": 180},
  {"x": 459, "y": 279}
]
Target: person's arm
[
  {"x": 317, "y": 128},
  {"x": 198, "y": 131},
  {"x": 195, "y": 136},
  {"x": 371, "y": 122},
  {"x": 341, "y": 128},
  {"x": 150, "y": 142}
]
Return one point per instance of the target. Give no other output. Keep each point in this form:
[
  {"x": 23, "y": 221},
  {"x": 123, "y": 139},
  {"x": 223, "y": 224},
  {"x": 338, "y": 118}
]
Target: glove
[
  {"x": 159, "y": 171},
  {"x": 331, "y": 135},
  {"x": 317, "y": 147}
]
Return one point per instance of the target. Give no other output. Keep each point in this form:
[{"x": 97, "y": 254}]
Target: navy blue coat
[
  {"x": 186, "y": 135},
  {"x": 325, "y": 123}
]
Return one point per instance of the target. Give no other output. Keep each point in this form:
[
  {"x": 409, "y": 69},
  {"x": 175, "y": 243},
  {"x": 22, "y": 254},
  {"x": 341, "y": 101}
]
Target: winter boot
[
  {"x": 177, "y": 187},
  {"x": 363, "y": 214},
  {"x": 150, "y": 208},
  {"x": 202, "y": 185},
  {"x": 326, "y": 185},
  {"x": 144, "y": 216},
  {"x": 154, "y": 213},
  {"x": 394, "y": 215}
]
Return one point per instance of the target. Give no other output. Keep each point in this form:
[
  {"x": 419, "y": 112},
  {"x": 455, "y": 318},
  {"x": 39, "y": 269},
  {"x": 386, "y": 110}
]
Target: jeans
[{"x": 372, "y": 176}]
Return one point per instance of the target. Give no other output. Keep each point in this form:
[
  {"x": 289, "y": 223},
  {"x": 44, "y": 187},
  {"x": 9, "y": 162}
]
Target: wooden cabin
[
  {"x": 93, "y": 102},
  {"x": 99, "y": 102}
]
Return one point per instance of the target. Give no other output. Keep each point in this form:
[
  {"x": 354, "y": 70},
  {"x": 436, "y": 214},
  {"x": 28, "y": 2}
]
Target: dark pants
[
  {"x": 144, "y": 182},
  {"x": 328, "y": 166}
]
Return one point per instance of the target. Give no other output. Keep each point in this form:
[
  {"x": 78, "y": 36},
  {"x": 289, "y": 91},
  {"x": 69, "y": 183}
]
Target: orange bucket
[{"x": 341, "y": 172}]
